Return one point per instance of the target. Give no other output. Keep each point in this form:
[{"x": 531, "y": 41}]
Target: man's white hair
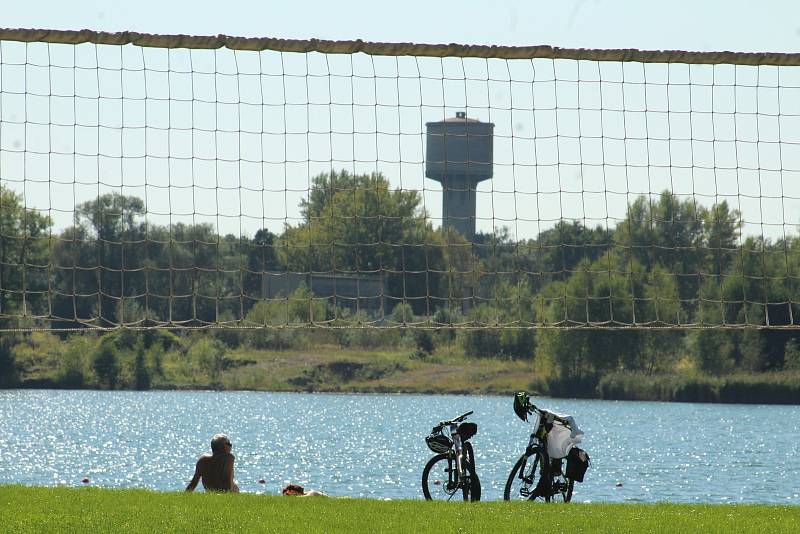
[{"x": 218, "y": 440}]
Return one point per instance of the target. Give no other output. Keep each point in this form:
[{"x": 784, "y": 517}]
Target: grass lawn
[{"x": 36, "y": 509}]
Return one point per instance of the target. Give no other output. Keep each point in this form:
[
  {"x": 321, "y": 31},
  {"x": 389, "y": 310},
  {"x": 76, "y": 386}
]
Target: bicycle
[
  {"x": 541, "y": 473},
  {"x": 452, "y": 469}
]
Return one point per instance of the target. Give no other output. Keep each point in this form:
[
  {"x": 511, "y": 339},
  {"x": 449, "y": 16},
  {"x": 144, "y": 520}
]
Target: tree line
[{"x": 671, "y": 261}]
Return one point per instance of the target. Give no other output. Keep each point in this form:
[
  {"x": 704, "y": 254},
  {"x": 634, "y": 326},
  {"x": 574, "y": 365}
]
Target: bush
[
  {"x": 763, "y": 388},
  {"x": 299, "y": 308},
  {"x": 713, "y": 351},
  {"x": 210, "y": 356},
  {"x": 423, "y": 339},
  {"x": 498, "y": 342},
  {"x": 791, "y": 356},
  {"x": 9, "y": 374},
  {"x": 141, "y": 373},
  {"x": 230, "y": 337},
  {"x": 105, "y": 364},
  {"x": 72, "y": 368},
  {"x": 577, "y": 387},
  {"x": 276, "y": 339},
  {"x": 156, "y": 360},
  {"x": 445, "y": 319},
  {"x": 365, "y": 337}
]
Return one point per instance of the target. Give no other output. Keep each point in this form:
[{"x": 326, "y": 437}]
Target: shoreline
[
  {"x": 55, "y": 387},
  {"x": 398, "y": 371}
]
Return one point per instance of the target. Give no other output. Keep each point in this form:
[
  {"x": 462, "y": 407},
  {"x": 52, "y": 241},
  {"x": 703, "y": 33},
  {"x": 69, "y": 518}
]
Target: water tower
[{"x": 459, "y": 156}]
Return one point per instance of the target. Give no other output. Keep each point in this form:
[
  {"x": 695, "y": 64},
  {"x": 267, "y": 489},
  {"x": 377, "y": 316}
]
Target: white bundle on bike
[{"x": 561, "y": 439}]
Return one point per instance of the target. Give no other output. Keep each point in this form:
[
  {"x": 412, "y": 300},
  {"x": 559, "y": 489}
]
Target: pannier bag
[
  {"x": 577, "y": 464},
  {"x": 467, "y": 430}
]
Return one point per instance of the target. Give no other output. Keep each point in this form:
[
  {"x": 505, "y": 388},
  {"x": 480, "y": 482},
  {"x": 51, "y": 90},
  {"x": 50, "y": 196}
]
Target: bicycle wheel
[
  {"x": 561, "y": 486},
  {"x": 527, "y": 481},
  {"x": 469, "y": 468},
  {"x": 440, "y": 478},
  {"x": 471, "y": 489}
]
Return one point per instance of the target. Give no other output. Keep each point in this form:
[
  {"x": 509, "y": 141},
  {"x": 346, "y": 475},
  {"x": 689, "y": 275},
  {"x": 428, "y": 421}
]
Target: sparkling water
[{"x": 373, "y": 445}]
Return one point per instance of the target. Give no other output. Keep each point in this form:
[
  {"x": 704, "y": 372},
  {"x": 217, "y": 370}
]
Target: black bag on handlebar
[
  {"x": 467, "y": 430},
  {"x": 577, "y": 464}
]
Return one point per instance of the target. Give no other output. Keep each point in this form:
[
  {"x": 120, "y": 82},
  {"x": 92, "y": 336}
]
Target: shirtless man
[{"x": 215, "y": 469}]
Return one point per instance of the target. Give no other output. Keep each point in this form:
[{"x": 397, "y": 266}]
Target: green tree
[
  {"x": 792, "y": 356},
  {"x": 723, "y": 228},
  {"x": 752, "y": 351},
  {"x": 611, "y": 293},
  {"x": 24, "y": 259},
  {"x": 353, "y": 223},
  {"x": 72, "y": 372},
  {"x": 262, "y": 257},
  {"x": 357, "y": 223},
  {"x": 9, "y": 374},
  {"x": 141, "y": 373},
  {"x": 210, "y": 354},
  {"x": 666, "y": 232},
  {"x": 105, "y": 364},
  {"x": 560, "y": 249},
  {"x": 713, "y": 351},
  {"x": 662, "y": 307}
]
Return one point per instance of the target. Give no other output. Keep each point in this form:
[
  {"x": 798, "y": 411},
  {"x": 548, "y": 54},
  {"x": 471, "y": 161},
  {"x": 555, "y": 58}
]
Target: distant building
[{"x": 365, "y": 291}]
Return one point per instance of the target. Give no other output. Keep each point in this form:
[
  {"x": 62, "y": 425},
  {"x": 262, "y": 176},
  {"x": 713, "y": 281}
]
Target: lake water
[{"x": 372, "y": 445}]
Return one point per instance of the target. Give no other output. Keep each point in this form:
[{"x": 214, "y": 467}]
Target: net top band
[{"x": 258, "y": 44}]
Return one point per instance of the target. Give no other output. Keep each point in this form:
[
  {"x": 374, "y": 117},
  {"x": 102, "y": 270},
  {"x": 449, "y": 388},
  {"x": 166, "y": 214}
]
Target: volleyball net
[{"x": 152, "y": 181}]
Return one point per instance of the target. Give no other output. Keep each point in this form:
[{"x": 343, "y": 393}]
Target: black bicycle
[
  {"x": 452, "y": 471},
  {"x": 537, "y": 475}
]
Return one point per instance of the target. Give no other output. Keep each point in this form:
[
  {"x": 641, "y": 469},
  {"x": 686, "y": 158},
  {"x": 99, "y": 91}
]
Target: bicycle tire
[
  {"x": 437, "y": 483},
  {"x": 532, "y": 463},
  {"x": 537, "y": 479},
  {"x": 557, "y": 485},
  {"x": 445, "y": 490},
  {"x": 474, "y": 493},
  {"x": 471, "y": 467}
]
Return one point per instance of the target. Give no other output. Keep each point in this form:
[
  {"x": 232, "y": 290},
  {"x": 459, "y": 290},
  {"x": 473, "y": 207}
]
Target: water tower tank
[{"x": 459, "y": 156}]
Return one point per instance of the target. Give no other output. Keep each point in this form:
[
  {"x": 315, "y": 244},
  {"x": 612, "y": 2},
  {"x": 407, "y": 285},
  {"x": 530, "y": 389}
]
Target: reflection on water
[{"x": 372, "y": 445}]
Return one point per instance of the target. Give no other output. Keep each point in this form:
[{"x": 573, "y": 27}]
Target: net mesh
[{"x": 169, "y": 181}]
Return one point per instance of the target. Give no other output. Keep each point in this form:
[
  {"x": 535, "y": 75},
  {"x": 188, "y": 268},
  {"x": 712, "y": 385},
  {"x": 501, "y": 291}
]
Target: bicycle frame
[
  {"x": 535, "y": 440},
  {"x": 459, "y": 450}
]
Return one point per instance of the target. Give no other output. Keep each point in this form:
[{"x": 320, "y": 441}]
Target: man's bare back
[
  {"x": 215, "y": 470},
  {"x": 211, "y": 469}
]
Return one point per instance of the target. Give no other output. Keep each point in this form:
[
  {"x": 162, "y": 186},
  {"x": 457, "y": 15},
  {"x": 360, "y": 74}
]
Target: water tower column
[
  {"x": 459, "y": 156},
  {"x": 459, "y": 204}
]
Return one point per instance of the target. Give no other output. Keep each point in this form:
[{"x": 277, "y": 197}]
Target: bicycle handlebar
[
  {"x": 456, "y": 420},
  {"x": 534, "y": 408}
]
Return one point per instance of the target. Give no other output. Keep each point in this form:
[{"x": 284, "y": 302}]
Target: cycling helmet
[
  {"x": 521, "y": 404},
  {"x": 438, "y": 442}
]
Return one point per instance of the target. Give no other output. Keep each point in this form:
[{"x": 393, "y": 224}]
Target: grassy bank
[
  {"x": 201, "y": 362},
  {"x": 324, "y": 368},
  {"x": 27, "y": 509}
]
